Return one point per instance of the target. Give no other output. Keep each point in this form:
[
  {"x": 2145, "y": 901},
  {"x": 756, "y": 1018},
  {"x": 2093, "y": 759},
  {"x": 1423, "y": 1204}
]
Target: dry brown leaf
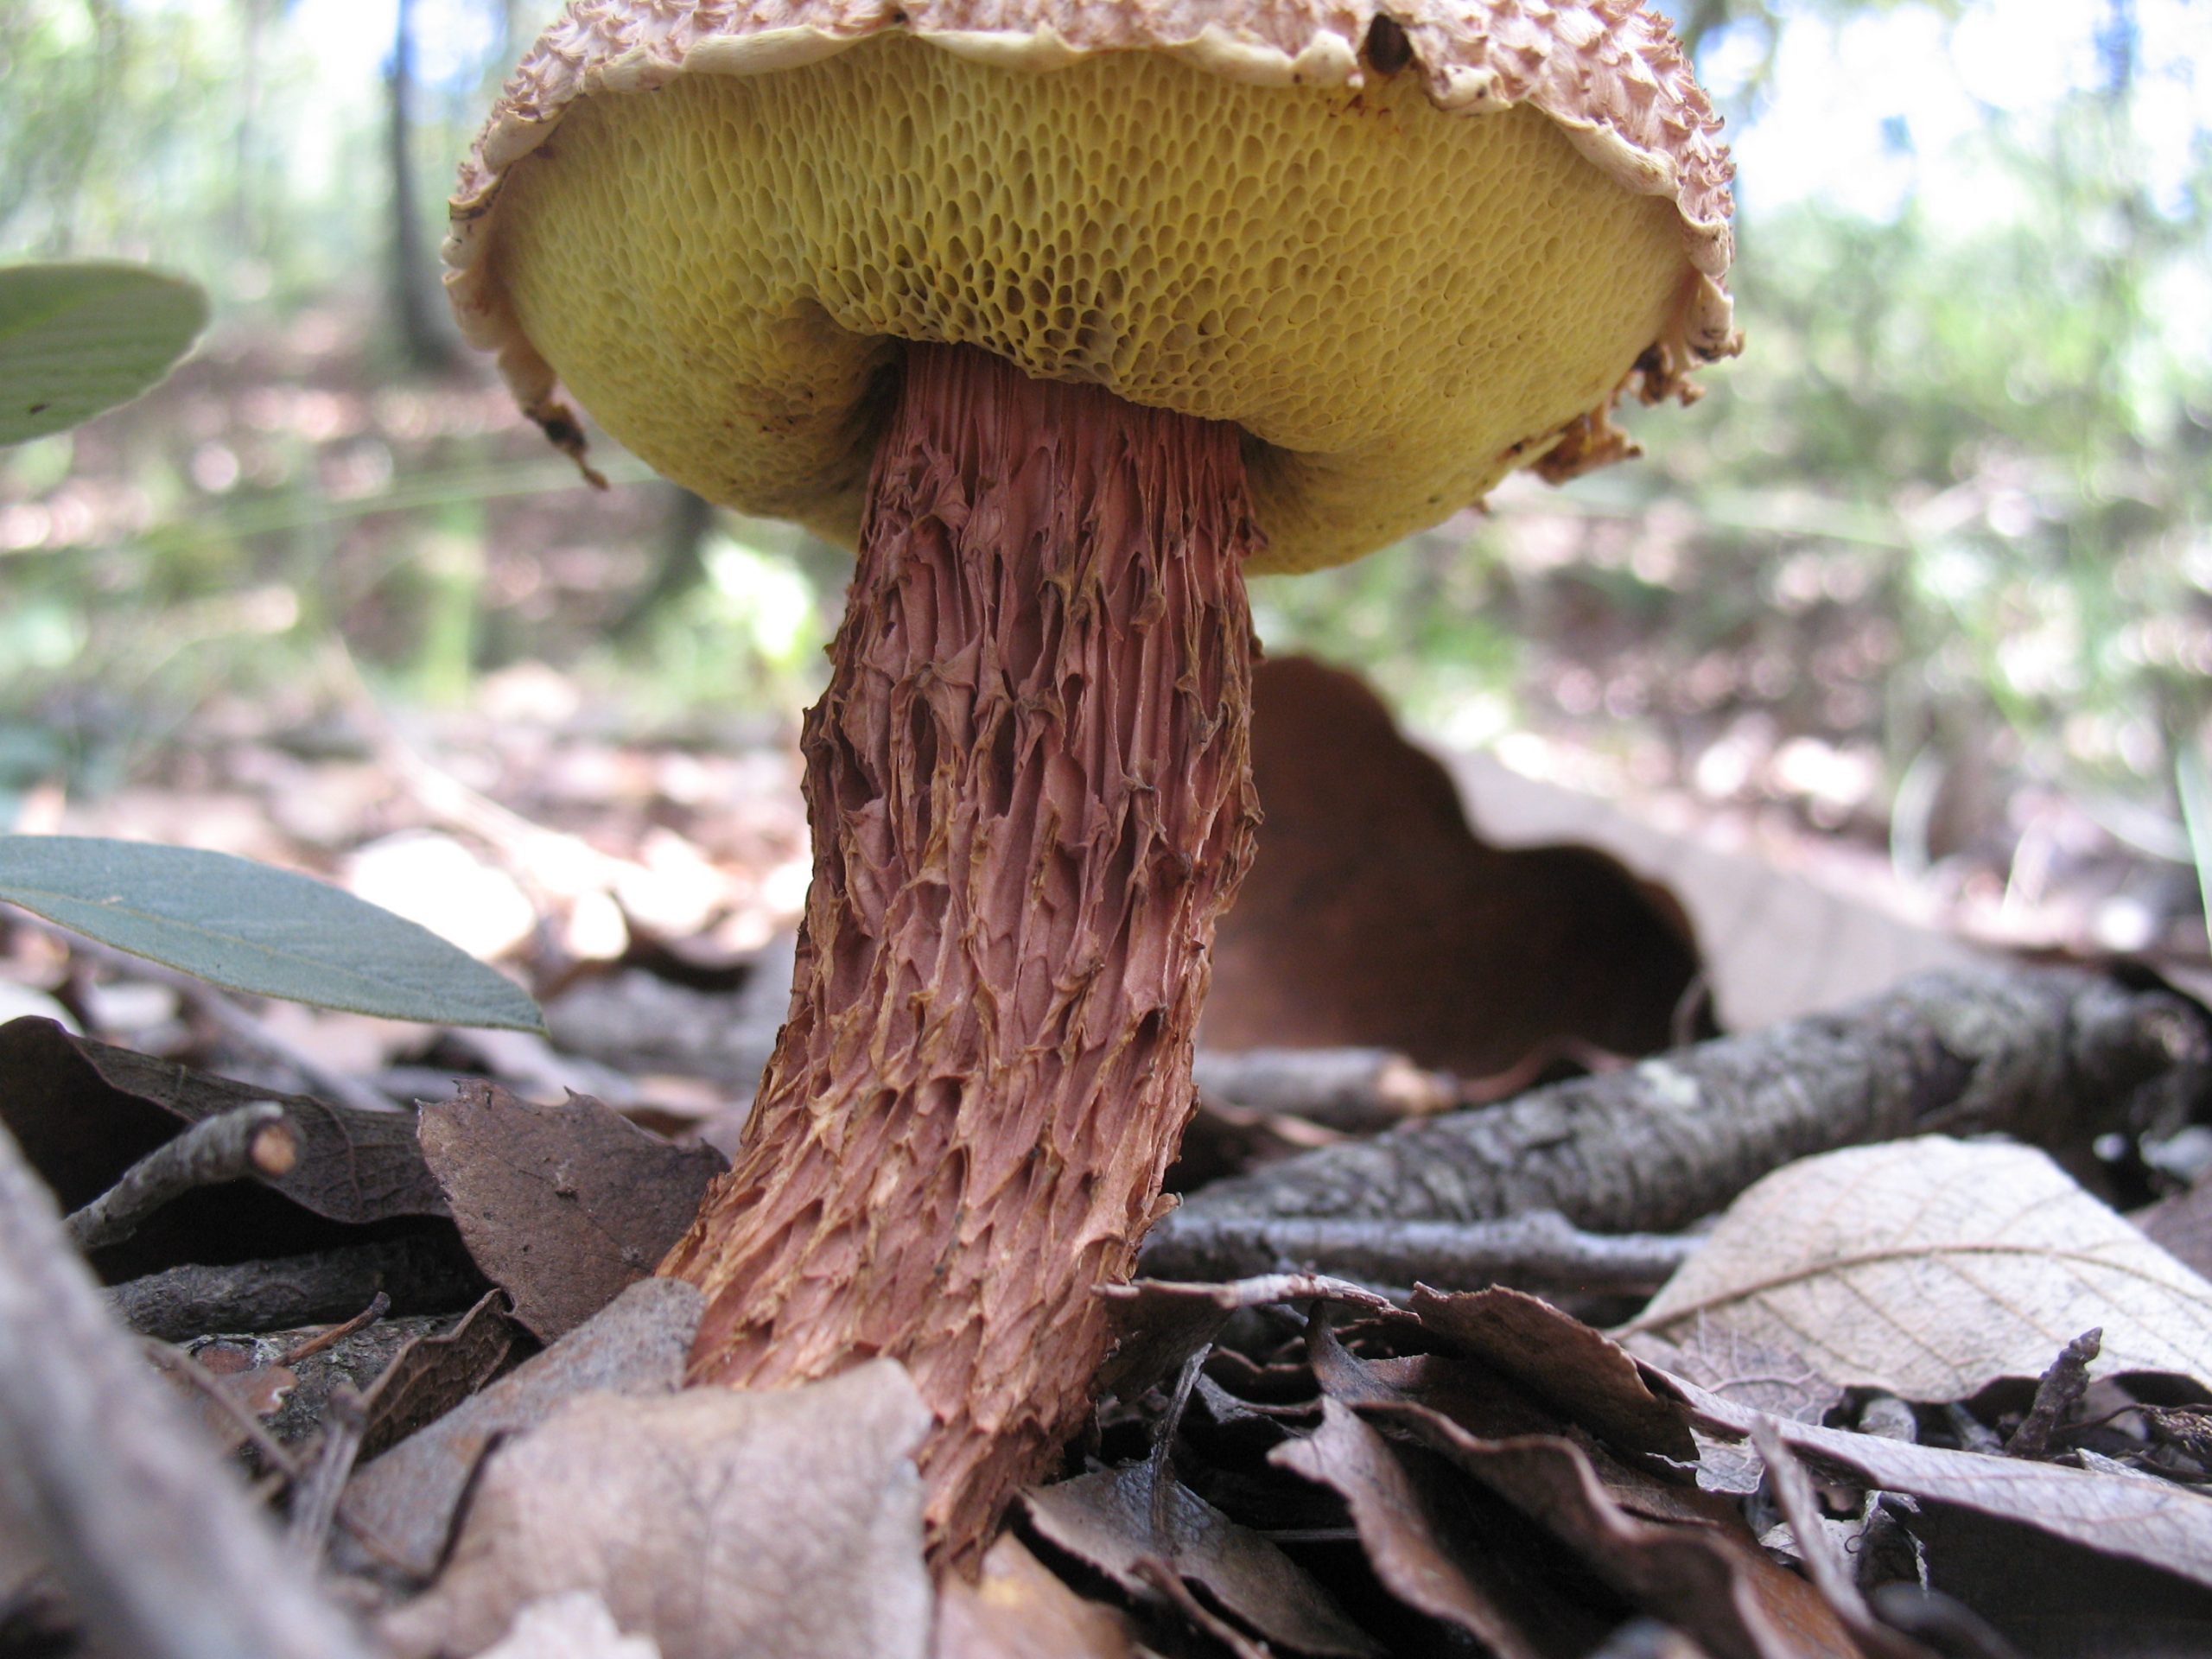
[
  {"x": 1374, "y": 916},
  {"x": 1017, "y": 1609},
  {"x": 432, "y": 1374},
  {"x": 561, "y": 1206},
  {"x": 2043, "y": 1596},
  {"x": 2181, "y": 1225},
  {"x": 404, "y": 1500},
  {"x": 1714, "y": 1585},
  {"x": 2138, "y": 1519},
  {"x": 1159, "y": 1324},
  {"x": 1118, "y": 1519},
  {"x": 1421, "y": 1545},
  {"x": 1931, "y": 1267},
  {"x": 716, "y": 1522},
  {"x": 1778, "y": 943},
  {"x": 1581, "y": 1373}
]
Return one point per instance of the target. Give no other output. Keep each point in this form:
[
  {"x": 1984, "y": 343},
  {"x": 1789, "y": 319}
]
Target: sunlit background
[{"x": 1927, "y": 571}]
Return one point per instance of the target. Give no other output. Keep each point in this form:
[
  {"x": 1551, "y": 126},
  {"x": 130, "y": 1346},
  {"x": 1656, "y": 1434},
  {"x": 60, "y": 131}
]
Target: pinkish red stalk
[{"x": 1030, "y": 797}]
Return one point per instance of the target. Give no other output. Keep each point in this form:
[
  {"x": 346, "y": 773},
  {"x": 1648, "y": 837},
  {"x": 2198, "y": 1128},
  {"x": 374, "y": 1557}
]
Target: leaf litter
[{"x": 1475, "y": 1467}]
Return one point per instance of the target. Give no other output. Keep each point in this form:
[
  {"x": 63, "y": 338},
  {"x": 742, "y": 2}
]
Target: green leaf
[
  {"x": 250, "y": 928},
  {"x": 79, "y": 339},
  {"x": 2194, "y": 790}
]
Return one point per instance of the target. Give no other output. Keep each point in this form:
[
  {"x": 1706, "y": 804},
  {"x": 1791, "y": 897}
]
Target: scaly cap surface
[{"x": 1406, "y": 251}]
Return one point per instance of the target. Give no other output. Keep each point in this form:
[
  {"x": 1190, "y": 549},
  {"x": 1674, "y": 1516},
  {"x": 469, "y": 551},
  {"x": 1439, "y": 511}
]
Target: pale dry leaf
[
  {"x": 1017, "y": 1609},
  {"x": 22, "y": 1557},
  {"x": 405, "y": 1499},
  {"x": 1765, "y": 1379},
  {"x": 574, "y": 1625},
  {"x": 784, "y": 1523},
  {"x": 1932, "y": 1267}
]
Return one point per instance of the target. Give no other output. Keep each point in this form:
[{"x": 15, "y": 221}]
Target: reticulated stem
[{"x": 1030, "y": 798}]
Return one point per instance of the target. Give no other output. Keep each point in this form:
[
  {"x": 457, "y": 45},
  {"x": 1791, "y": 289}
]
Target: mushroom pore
[{"x": 1063, "y": 329}]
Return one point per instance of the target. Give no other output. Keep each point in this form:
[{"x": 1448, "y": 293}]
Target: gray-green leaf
[
  {"x": 249, "y": 928},
  {"x": 79, "y": 339}
]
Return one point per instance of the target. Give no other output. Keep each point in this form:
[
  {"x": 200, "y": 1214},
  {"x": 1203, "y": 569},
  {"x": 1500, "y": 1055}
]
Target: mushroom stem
[{"x": 1030, "y": 799}]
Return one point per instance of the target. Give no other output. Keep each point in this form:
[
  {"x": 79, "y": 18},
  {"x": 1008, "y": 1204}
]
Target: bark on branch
[
  {"x": 1537, "y": 1252},
  {"x": 252, "y": 1140},
  {"x": 2043, "y": 1054}
]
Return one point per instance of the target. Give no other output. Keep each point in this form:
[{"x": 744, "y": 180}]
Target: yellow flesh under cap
[{"x": 1398, "y": 305}]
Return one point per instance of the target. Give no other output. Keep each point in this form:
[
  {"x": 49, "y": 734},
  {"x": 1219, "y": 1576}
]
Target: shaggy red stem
[{"x": 1030, "y": 798}]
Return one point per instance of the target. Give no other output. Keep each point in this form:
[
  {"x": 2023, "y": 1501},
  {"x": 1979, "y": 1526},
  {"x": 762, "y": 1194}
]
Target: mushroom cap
[{"x": 1407, "y": 254}]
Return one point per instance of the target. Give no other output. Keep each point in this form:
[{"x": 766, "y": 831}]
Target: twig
[
  {"x": 2057, "y": 1393},
  {"x": 423, "y": 1273},
  {"x": 160, "y": 1552},
  {"x": 216, "y": 1005},
  {"x": 210, "y": 1388},
  {"x": 252, "y": 1140},
  {"x": 1540, "y": 1250},
  {"x": 315, "y": 1500},
  {"x": 2046, "y": 1054},
  {"x": 379, "y": 1306}
]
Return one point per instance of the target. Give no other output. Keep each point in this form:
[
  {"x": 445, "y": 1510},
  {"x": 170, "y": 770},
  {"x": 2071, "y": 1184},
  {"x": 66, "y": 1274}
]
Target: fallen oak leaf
[
  {"x": 561, "y": 1206},
  {"x": 715, "y": 1521},
  {"x": 431, "y": 1375},
  {"x": 1932, "y": 1267}
]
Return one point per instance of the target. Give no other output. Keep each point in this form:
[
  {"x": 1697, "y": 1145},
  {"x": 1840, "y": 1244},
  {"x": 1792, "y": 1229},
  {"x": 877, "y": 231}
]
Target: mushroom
[{"x": 1064, "y": 315}]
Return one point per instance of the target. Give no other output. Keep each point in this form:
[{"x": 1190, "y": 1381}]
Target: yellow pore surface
[{"x": 1398, "y": 305}]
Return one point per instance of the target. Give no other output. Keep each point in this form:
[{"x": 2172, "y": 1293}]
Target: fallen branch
[
  {"x": 1533, "y": 1252},
  {"x": 163, "y": 1555},
  {"x": 421, "y": 1273},
  {"x": 253, "y": 1140},
  {"x": 2048, "y": 1055}
]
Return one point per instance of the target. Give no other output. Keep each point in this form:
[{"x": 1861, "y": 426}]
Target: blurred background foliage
[{"x": 1931, "y": 557}]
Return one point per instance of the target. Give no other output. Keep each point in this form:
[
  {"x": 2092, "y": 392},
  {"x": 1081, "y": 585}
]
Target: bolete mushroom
[{"x": 1064, "y": 313}]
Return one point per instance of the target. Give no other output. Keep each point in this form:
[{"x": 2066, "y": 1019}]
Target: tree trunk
[
  {"x": 1030, "y": 798},
  {"x": 424, "y": 336}
]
